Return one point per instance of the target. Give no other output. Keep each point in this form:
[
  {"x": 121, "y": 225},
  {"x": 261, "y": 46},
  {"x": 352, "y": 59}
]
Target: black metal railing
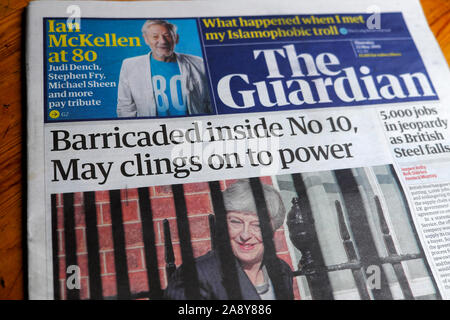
[
  {"x": 220, "y": 242},
  {"x": 354, "y": 230},
  {"x": 356, "y": 239}
]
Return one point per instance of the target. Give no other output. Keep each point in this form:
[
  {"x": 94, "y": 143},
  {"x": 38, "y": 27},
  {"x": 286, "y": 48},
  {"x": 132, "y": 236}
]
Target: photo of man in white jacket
[{"x": 162, "y": 83}]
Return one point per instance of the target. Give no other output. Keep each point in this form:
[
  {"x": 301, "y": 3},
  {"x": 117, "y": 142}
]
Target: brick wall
[{"x": 199, "y": 206}]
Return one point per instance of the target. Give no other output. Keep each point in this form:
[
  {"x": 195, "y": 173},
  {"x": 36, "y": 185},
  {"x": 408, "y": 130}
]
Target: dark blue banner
[
  {"x": 100, "y": 69},
  {"x": 313, "y": 61}
]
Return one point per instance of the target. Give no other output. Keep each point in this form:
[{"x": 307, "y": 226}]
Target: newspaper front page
[{"x": 237, "y": 150}]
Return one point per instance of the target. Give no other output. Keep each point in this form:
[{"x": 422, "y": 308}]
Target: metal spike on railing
[
  {"x": 303, "y": 236},
  {"x": 300, "y": 236},
  {"x": 351, "y": 253},
  {"x": 345, "y": 235},
  {"x": 168, "y": 249},
  {"x": 392, "y": 251}
]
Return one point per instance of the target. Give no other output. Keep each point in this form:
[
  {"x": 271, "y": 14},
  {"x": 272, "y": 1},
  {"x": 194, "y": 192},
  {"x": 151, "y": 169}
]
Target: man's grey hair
[
  {"x": 171, "y": 27},
  {"x": 239, "y": 197}
]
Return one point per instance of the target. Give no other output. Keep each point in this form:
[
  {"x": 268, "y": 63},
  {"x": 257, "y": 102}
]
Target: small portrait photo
[{"x": 170, "y": 79}]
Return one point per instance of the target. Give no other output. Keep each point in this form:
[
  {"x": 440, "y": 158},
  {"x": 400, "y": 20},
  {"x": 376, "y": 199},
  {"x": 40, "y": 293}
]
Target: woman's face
[{"x": 245, "y": 237}]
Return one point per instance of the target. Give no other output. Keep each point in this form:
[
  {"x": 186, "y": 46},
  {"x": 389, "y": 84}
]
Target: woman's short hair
[
  {"x": 171, "y": 27},
  {"x": 239, "y": 197}
]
